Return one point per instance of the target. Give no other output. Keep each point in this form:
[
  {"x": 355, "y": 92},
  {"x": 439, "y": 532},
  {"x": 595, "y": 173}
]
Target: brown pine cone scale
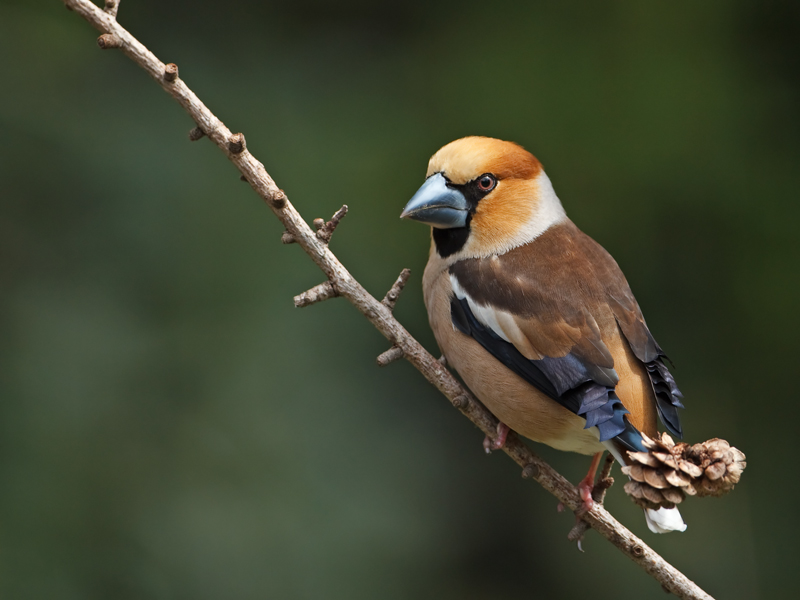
[{"x": 668, "y": 472}]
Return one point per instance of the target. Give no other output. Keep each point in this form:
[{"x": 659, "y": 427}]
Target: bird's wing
[
  {"x": 648, "y": 352},
  {"x": 631, "y": 322},
  {"x": 544, "y": 311}
]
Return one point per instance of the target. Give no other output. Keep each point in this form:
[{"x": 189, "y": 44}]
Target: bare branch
[
  {"x": 195, "y": 134},
  {"x": 394, "y": 293},
  {"x": 604, "y": 480},
  {"x": 341, "y": 282},
  {"x": 318, "y": 293},
  {"x": 325, "y": 230},
  {"x": 392, "y": 354}
]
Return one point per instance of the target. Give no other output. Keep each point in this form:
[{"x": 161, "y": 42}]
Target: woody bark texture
[{"x": 378, "y": 313}]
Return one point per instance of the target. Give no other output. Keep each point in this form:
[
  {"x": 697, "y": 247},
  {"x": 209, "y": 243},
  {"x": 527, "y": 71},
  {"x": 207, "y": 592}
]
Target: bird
[{"x": 535, "y": 316}]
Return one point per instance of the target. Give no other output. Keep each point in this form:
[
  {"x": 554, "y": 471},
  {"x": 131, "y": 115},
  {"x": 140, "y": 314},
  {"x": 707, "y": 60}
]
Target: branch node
[
  {"x": 318, "y": 293},
  {"x": 195, "y": 134},
  {"x": 392, "y": 354},
  {"x": 531, "y": 471},
  {"x": 390, "y": 299},
  {"x": 108, "y": 41},
  {"x": 112, "y": 6},
  {"x": 443, "y": 360},
  {"x": 278, "y": 199},
  {"x": 170, "y": 72},
  {"x": 287, "y": 238},
  {"x": 461, "y": 401},
  {"x": 325, "y": 230},
  {"x": 601, "y": 487},
  {"x": 236, "y": 143},
  {"x": 637, "y": 551}
]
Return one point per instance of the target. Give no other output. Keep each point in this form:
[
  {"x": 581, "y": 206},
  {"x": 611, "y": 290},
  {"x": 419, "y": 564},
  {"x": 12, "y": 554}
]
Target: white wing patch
[
  {"x": 486, "y": 315},
  {"x": 501, "y": 322}
]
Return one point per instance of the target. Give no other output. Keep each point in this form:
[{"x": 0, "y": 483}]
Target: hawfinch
[{"x": 536, "y": 316}]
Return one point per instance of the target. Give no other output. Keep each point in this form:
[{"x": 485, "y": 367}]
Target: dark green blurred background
[{"x": 171, "y": 427}]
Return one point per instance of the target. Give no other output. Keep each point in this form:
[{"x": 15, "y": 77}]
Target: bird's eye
[{"x": 486, "y": 183}]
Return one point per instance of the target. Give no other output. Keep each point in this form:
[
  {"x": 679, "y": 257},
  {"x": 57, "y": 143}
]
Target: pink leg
[
  {"x": 586, "y": 485},
  {"x": 490, "y": 444}
]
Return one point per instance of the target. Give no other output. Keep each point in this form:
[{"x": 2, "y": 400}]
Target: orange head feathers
[
  {"x": 484, "y": 197},
  {"x": 465, "y": 159}
]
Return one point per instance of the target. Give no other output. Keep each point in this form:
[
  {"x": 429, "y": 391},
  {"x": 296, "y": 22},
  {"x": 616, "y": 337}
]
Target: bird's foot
[
  {"x": 591, "y": 493},
  {"x": 498, "y": 442},
  {"x": 585, "y": 488}
]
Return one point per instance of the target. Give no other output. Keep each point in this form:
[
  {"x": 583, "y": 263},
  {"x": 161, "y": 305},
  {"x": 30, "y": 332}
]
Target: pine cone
[
  {"x": 722, "y": 466},
  {"x": 668, "y": 472}
]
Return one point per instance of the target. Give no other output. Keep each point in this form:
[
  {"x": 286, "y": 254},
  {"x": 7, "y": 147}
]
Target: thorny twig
[{"x": 340, "y": 282}]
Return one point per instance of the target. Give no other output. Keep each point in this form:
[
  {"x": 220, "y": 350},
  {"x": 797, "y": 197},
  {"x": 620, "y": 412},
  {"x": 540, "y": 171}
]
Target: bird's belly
[
  {"x": 511, "y": 399},
  {"x": 517, "y": 403}
]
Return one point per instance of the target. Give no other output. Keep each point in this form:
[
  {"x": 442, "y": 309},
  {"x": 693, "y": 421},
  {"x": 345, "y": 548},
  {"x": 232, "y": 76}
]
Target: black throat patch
[{"x": 450, "y": 241}]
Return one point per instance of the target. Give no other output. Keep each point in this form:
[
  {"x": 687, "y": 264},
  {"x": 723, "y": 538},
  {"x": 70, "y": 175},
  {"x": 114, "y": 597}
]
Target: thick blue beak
[{"x": 437, "y": 205}]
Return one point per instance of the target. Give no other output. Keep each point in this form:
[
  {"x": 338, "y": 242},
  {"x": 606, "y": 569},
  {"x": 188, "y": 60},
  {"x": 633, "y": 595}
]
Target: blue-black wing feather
[{"x": 568, "y": 380}]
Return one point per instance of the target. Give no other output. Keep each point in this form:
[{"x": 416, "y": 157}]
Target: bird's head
[{"x": 483, "y": 197}]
